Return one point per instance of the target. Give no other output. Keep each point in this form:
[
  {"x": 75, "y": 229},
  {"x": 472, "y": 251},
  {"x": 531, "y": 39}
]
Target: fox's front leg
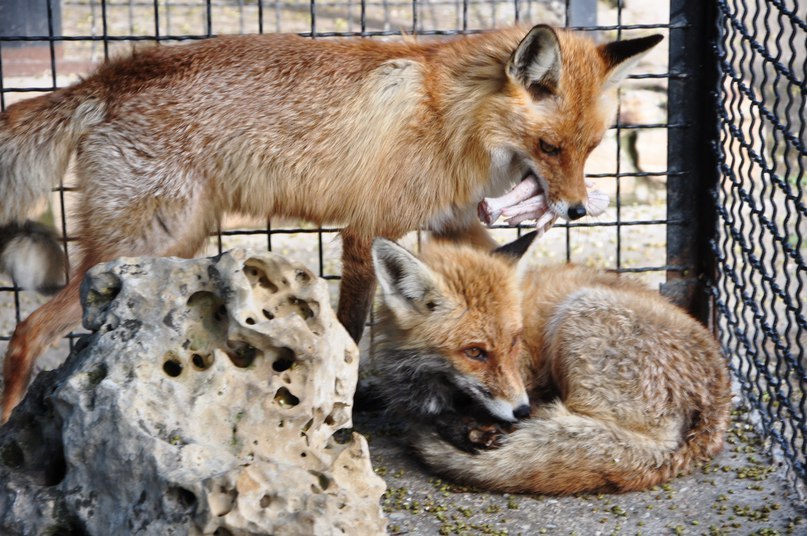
[{"x": 358, "y": 284}]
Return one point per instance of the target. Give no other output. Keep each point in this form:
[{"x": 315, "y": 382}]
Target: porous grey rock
[{"x": 208, "y": 399}]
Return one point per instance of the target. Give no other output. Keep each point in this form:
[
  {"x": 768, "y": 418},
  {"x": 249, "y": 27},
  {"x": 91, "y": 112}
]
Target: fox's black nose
[
  {"x": 576, "y": 212},
  {"x": 521, "y": 412}
]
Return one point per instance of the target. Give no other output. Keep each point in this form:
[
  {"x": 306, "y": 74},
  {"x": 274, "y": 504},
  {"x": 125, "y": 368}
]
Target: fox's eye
[
  {"x": 548, "y": 148},
  {"x": 475, "y": 352}
]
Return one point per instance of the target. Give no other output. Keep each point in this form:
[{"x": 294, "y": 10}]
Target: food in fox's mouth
[{"x": 527, "y": 201}]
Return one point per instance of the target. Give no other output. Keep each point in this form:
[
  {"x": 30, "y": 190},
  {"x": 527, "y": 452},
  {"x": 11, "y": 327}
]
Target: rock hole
[
  {"x": 172, "y": 367},
  {"x": 322, "y": 480},
  {"x": 250, "y": 321},
  {"x": 241, "y": 353},
  {"x": 266, "y": 500},
  {"x": 268, "y": 285},
  {"x": 97, "y": 374},
  {"x": 268, "y": 314},
  {"x": 11, "y": 455},
  {"x": 211, "y": 313},
  {"x": 221, "y": 531},
  {"x": 56, "y": 469},
  {"x": 302, "y": 276},
  {"x": 303, "y": 308},
  {"x": 348, "y": 357},
  {"x": 329, "y": 420},
  {"x": 307, "y": 426},
  {"x": 202, "y": 362},
  {"x": 343, "y": 436},
  {"x": 184, "y": 500},
  {"x": 70, "y": 525},
  {"x": 303, "y": 455},
  {"x": 284, "y": 360},
  {"x": 103, "y": 289},
  {"x": 285, "y": 399},
  {"x": 257, "y": 276}
]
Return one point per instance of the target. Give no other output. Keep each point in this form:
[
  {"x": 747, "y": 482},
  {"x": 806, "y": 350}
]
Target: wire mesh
[
  {"x": 72, "y": 36},
  {"x": 761, "y": 278}
]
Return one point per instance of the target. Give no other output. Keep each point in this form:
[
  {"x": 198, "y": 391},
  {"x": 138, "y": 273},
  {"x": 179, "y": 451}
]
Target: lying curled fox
[{"x": 627, "y": 390}]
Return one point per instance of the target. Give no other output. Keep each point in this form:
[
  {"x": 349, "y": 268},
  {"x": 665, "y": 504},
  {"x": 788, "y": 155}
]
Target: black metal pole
[{"x": 691, "y": 155}]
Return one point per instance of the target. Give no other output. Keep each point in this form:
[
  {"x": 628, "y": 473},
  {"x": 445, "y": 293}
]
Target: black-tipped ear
[
  {"x": 621, "y": 56},
  {"x": 517, "y": 248},
  {"x": 405, "y": 281},
  {"x": 536, "y": 62}
]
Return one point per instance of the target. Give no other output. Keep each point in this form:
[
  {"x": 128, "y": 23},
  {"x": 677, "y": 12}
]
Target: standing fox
[
  {"x": 627, "y": 389},
  {"x": 379, "y": 137}
]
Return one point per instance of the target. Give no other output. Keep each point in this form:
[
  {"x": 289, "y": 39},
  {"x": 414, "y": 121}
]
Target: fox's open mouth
[{"x": 528, "y": 200}]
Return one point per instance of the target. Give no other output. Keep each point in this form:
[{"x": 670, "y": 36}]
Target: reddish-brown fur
[{"x": 381, "y": 138}]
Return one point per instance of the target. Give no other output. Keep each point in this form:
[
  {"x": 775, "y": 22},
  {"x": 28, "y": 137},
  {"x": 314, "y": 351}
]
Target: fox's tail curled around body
[
  {"x": 559, "y": 453},
  {"x": 37, "y": 137}
]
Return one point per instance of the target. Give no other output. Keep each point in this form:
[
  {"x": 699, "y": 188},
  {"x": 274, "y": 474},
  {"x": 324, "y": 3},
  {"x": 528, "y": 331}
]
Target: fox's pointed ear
[
  {"x": 517, "y": 248},
  {"x": 536, "y": 62},
  {"x": 621, "y": 56},
  {"x": 404, "y": 279}
]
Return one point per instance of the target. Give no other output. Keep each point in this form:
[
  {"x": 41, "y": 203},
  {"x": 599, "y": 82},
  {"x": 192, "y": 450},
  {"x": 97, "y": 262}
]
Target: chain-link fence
[
  {"x": 658, "y": 161},
  {"x": 761, "y": 283}
]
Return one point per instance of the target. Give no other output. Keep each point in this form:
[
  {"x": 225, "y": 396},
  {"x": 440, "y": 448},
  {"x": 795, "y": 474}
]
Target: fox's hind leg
[
  {"x": 110, "y": 228},
  {"x": 35, "y": 333},
  {"x": 358, "y": 283}
]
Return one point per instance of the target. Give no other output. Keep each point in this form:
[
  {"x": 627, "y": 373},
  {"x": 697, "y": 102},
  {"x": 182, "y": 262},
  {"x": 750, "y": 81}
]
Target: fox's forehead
[
  {"x": 478, "y": 281},
  {"x": 566, "y": 120}
]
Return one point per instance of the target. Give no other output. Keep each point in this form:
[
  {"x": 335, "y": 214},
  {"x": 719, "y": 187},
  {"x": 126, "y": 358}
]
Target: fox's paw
[{"x": 487, "y": 436}]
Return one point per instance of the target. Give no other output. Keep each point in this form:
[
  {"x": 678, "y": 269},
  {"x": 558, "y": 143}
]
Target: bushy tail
[
  {"x": 37, "y": 137},
  {"x": 31, "y": 254},
  {"x": 562, "y": 453}
]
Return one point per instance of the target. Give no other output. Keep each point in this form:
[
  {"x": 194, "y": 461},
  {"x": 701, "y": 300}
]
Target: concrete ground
[{"x": 742, "y": 492}]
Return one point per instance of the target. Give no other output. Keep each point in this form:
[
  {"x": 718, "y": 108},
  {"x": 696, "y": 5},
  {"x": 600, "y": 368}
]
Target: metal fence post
[{"x": 691, "y": 158}]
